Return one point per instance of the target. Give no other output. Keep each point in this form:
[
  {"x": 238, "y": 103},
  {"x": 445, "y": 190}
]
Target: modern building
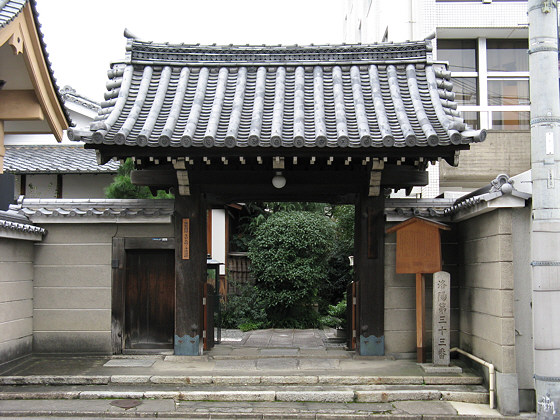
[{"x": 485, "y": 44}]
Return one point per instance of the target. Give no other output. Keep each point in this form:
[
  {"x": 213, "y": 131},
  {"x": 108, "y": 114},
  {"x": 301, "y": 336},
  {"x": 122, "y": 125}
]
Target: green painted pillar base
[
  {"x": 187, "y": 345},
  {"x": 372, "y": 345}
]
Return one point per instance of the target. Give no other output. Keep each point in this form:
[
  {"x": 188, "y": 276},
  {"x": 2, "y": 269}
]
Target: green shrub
[
  {"x": 288, "y": 260},
  {"x": 336, "y": 317},
  {"x": 249, "y": 326},
  {"x": 243, "y": 309},
  {"x": 339, "y": 273}
]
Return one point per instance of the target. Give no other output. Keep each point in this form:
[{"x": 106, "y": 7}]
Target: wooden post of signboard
[
  {"x": 419, "y": 252},
  {"x": 420, "y": 317}
]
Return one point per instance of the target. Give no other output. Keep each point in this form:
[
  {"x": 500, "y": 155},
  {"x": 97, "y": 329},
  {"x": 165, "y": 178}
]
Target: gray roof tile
[
  {"x": 96, "y": 208},
  {"x": 380, "y": 95},
  {"x": 54, "y": 159},
  {"x": 9, "y": 10},
  {"x": 16, "y": 222},
  {"x": 70, "y": 95}
]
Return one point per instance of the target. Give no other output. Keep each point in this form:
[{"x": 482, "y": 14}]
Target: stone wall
[
  {"x": 523, "y": 297},
  {"x": 400, "y": 300},
  {"x": 16, "y": 298},
  {"x": 72, "y": 311},
  {"x": 487, "y": 325}
]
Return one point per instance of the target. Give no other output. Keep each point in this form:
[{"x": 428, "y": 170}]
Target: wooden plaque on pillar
[
  {"x": 419, "y": 252},
  {"x": 186, "y": 239}
]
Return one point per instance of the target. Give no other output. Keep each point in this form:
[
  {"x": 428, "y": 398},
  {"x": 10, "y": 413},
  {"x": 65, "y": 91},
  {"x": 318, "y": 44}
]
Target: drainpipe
[
  {"x": 491, "y": 372},
  {"x": 545, "y": 235},
  {"x": 412, "y": 15}
]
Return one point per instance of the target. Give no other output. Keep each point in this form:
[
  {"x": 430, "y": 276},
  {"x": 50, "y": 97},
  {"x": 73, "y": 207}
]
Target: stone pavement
[
  {"x": 261, "y": 374},
  {"x": 284, "y": 338}
]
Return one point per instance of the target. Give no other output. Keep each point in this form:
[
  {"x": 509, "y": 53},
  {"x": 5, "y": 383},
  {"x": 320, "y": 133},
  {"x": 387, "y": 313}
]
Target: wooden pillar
[
  {"x": 420, "y": 318},
  {"x": 118, "y": 284},
  {"x": 59, "y": 185},
  {"x": 369, "y": 270},
  {"x": 190, "y": 272}
]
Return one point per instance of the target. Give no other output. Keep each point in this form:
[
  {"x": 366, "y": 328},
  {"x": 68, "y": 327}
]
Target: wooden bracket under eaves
[{"x": 183, "y": 181}]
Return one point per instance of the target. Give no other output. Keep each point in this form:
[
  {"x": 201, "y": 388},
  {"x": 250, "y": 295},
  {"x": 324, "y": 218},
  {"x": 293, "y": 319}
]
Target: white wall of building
[
  {"x": 86, "y": 185},
  {"x": 219, "y": 237},
  {"x": 73, "y": 185},
  {"x": 36, "y": 186}
]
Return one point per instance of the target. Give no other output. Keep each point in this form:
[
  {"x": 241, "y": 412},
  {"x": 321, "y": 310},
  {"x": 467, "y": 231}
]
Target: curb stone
[
  {"x": 315, "y": 396},
  {"x": 397, "y": 395},
  {"x": 97, "y": 395},
  {"x": 228, "y": 396},
  {"x": 130, "y": 379}
]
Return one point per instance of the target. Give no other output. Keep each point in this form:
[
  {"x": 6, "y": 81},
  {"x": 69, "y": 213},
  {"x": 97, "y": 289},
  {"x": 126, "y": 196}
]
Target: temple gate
[{"x": 338, "y": 124}]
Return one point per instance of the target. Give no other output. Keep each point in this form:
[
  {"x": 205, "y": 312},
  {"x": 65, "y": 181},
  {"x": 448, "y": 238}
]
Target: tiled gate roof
[{"x": 358, "y": 96}]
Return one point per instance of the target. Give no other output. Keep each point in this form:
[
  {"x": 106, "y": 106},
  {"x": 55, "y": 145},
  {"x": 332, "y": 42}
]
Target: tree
[
  {"x": 339, "y": 273},
  {"x": 288, "y": 261},
  {"x": 122, "y": 187}
]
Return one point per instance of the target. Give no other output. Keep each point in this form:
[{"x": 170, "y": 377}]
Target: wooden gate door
[{"x": 149, "y": 299}]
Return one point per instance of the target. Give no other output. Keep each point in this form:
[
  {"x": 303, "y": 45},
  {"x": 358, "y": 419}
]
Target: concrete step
[
  {"x": 165, "y": 408},
  {"x": 238, "y": 380},
  {"x": 285, "y": 393}
]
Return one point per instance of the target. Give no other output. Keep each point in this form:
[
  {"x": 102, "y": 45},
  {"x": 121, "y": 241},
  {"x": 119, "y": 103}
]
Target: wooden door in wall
[{"x": 149, "y": 299}]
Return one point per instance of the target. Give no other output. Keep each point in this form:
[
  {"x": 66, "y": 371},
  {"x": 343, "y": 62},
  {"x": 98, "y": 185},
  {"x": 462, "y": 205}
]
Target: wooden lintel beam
[
  {"x": 392, "y": 176},
  {"x": 20, "y": 105},
  {"x": 403, "y": 176},
  {"x": 153, "y": 177}
]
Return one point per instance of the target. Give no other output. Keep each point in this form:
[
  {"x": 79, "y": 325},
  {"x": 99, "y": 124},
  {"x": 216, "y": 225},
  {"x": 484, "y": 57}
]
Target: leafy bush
[
  {"x": 243, "y": 310},
  {"x": 248, "y": 326},
  {"x": 288, "y": 262},
  {"x": 336, "y": 317},
  {"x": 339, "y": 273}
]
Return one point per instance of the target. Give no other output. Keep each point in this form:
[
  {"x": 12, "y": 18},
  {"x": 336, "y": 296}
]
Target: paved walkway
[
  {"x": 255, "y": 375},
  {"x": 285, "y": 338},
  {"x": 256, "y": 354}
]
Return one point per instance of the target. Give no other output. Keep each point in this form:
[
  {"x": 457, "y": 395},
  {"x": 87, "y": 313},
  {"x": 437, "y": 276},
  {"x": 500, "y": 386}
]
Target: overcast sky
[{"x": 84, "y": 36}]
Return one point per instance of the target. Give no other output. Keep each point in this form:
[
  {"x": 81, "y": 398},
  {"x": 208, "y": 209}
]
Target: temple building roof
[
  {"x": 9, "y": 10},
  {"x": 28, "y": 84},
  {"x": 376, "y": 97},
  {"x": 55, "y": 159}
]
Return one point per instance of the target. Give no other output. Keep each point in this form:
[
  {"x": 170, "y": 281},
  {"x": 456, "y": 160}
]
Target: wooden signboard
[
  {"x": 185, "y": 239},
  {"x": 419, "y": 252}
]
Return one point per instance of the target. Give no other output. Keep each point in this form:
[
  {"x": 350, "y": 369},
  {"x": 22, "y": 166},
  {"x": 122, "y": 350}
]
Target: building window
[
  {"x": 490, "y": 80},
  {"x": 510, "y": 120},
  {"x": 461, "y": 54},
  {"x": 466, "y": 90},
  {"x": 507, "y": 55},
  {"x": 508, "y": 92}
]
